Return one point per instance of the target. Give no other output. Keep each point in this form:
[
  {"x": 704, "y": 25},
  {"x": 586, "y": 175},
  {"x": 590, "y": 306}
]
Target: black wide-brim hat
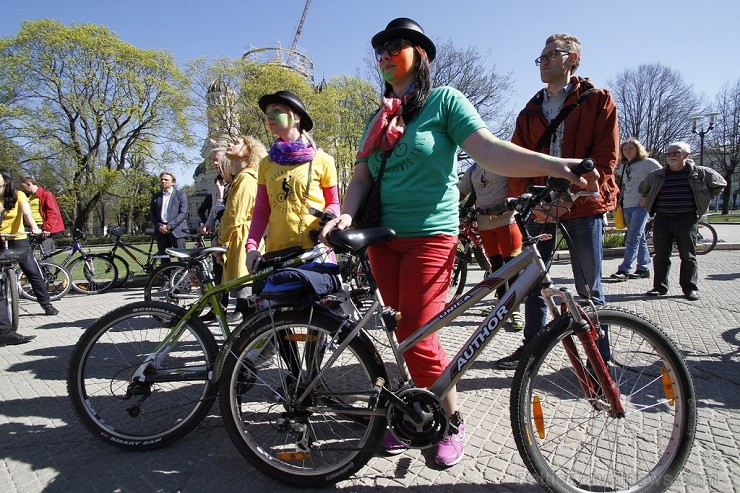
[
  {"x": 290, "y": 100},
  {"x": 406, "y": 28}
]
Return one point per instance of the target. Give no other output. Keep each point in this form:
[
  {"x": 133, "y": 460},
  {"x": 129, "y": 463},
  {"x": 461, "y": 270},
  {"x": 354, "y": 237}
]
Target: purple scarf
[{"x": 291, "y": 152}]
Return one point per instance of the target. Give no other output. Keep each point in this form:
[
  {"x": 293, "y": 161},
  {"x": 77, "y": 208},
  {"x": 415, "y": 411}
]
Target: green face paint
[{"x": 278, "y": 115}]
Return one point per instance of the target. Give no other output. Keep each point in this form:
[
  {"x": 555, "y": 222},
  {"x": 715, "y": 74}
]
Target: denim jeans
[
  {"x": 682, "y": 230},
  {"x": 635, "y": 243},
  {"x": 586, "y": 246}
]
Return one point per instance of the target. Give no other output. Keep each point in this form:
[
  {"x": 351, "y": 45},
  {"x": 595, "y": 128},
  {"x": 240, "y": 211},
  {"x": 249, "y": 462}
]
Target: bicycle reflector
[
  {"x": 539, "y": 420},
  {"x": 670, "y": 393},
  {"x": 293, "y": 456}
]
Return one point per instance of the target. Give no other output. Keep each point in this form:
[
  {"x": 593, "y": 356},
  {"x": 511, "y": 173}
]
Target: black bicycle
[
  {"x": 146, "y": 267},
  {"x": 58, "y": 280}
]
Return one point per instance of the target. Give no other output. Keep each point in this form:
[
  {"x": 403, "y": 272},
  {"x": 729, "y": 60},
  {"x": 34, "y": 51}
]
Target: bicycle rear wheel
[
  {"x": 176, "y": 395},
  {"x": 572, "y": 444},
  {"x": 10, "y": 293},
  {"x": 318, "y": 441},
  {"x": 93, "y": 274},
  {"x": 124, "y": 270},
  {"x": 176, "y": 284},
  {"x": 706, "y": 238},
  {"x": 58, "y": 282}
]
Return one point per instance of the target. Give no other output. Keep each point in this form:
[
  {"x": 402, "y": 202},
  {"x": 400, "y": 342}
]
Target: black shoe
[
  {"x": 656, "y": 292},
  {"x": 50, "y": 310},
  {"x": 620, "y": 275},
  {"x": 509, "y": 362},
  {"x": 14, "y": 338},
  {"x": 692, "y": 295},
  {"x": 640, "y": 274}
]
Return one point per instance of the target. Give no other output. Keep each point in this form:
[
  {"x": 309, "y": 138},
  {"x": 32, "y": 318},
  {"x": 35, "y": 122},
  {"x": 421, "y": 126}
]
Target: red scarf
[{"x": 385, "y": 129}]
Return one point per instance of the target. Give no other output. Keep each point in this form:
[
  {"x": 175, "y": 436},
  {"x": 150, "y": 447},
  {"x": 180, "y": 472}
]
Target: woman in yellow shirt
[{"x": 16, "y": 208}]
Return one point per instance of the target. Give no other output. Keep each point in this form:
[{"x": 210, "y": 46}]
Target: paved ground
[{"x": 44, "y": 448}]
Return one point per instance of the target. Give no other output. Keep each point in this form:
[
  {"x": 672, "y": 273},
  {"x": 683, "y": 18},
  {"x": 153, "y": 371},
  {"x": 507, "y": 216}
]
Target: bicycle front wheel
[
  {"x": 459, "y": 275},
  {"x": 175, "y": 393},
  {"x": 174, "y": 283},
  {"x": 93, "y": 274},
  {"x": 706, "y": 239},
  {"x": 571, "y": 443},
  {"x": 321, "y": 439},
  {"x": 58, "y": 282}
]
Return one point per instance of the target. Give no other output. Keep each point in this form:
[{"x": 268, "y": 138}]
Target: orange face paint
[{"x": 400, "y": 66}]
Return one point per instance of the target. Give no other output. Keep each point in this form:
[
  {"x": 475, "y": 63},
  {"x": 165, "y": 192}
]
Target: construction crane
[{"x": 298, "y": 29}]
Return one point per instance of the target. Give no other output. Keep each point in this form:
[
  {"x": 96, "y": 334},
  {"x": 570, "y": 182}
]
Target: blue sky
[{"x": 697, "y": 38}]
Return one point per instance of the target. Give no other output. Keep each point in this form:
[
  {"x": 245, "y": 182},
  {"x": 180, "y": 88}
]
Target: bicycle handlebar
[{"x": 536, "y": 194}]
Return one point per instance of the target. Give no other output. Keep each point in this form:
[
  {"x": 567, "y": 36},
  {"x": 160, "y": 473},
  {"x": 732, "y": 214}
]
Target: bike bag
[{"x": 301, "y": 286}]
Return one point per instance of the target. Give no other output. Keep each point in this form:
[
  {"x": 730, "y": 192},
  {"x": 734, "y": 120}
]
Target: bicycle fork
[{"x": 587, "y": 333}]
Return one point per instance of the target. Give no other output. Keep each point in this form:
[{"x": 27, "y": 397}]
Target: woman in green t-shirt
[{"x": 423, "y": 128}]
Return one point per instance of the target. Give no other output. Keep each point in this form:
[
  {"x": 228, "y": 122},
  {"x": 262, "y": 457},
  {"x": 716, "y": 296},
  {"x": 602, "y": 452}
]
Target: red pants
[
  {"x": 413, "y": 275},
  {"x": 505, "y": 241}
]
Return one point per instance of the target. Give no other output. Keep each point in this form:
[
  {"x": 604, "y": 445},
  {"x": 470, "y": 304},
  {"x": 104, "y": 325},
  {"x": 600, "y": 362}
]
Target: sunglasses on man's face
[{"x": 393, "y": 47}]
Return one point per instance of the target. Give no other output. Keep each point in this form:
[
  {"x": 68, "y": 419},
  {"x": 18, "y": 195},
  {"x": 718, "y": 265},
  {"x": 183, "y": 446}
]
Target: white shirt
[{"x": 165, "y": 203}]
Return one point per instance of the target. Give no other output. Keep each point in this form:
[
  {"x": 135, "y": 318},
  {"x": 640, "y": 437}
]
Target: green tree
[{"x": 85, "y": 102}]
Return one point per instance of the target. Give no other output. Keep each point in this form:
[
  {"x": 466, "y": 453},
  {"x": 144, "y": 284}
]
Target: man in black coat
[{"x": 169, "y": 213}]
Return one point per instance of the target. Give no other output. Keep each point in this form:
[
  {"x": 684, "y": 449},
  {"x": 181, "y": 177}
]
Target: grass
[{"x": 723, "y": 218}]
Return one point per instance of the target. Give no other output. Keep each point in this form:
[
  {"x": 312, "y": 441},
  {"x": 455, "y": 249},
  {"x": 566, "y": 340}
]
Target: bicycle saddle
[{"x": 353, "y": 240}]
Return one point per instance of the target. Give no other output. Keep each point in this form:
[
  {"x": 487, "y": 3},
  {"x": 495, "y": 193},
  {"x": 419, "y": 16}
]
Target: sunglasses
[
  {"x": 393, "y": 47},
  {"x": 550, "y": 56}
]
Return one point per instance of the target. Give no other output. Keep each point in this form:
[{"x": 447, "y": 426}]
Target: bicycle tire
[
  {"x": 112, "y": 348},
  {"x": 93, "y": 274},
  {"x": 569, "y": 445},
  {"x": 58, "y": 282},
  {"x": 176, "y": 284},
  {"x": 124, "y": 269},
  {"x": 459, "y": 275},
  {"x": 258, "y": 399},
  {"x": 706, "y": 238},
  {"x": 10, "y": 286}
]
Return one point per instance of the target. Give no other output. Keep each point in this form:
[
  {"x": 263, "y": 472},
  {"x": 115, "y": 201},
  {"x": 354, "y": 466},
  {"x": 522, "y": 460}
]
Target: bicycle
[
  {"x": 58, "y": 280},
  {"x": 89, "y": 273},
  {"x": 704, "y": 241},
  {"x": 9, "y": 290},
  {"x": 141, "y": 376},
  {"x": 124, "y": 269},
  {"x": 313, "y": 413},
  {"x": 469, "y": 246},
  {"x": 178, "y": 283}
]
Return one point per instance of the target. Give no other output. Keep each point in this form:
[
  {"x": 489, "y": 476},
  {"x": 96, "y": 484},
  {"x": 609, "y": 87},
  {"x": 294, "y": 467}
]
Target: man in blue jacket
[{"x": 169, "y": 213}]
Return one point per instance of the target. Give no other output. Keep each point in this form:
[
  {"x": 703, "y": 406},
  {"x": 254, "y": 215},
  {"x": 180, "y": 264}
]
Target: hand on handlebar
[{"x": 254, "y": 257}]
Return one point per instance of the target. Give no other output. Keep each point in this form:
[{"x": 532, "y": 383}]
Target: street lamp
[{"x": 701, "y": 132}]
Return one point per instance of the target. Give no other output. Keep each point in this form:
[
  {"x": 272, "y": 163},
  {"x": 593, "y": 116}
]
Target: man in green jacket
[{"x": 678, "y": 195}]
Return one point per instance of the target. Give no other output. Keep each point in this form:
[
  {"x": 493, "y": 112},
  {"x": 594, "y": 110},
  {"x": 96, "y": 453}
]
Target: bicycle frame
[
  {"x": 211, "y": 297},
  {"x": 531, "y": 272},
  {"x": 127, "y": 248}
]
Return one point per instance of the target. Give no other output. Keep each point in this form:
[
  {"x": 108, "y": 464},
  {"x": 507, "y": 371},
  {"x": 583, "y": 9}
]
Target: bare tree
[
  {"x": 490, "y": 92},
  {"x": 723, "y": 146},
  {"x": 654, "y": 105}
]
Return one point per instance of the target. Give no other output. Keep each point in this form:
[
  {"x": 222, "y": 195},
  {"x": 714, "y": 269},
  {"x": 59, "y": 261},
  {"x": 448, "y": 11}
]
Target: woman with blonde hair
[
  {"x": 244, "y": 155},
  {"x": 636, "y": 165}
]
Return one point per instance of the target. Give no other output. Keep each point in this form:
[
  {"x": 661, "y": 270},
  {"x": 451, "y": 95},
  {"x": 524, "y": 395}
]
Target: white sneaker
[
  {"x": 263, "y": 356},
  {"x": 235, "y": 318}
]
